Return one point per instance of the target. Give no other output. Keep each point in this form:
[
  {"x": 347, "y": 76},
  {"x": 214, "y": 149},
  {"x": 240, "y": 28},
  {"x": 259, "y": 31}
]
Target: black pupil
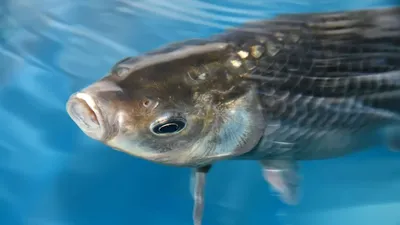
[{"x": 169, "y": 127}]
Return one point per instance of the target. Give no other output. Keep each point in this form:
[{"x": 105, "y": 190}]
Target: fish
[{"x": 295, "y": 87}]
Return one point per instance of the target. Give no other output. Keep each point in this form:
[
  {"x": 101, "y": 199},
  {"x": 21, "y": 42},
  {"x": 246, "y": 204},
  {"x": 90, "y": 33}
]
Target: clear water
[{"x": 52, "y": 174}]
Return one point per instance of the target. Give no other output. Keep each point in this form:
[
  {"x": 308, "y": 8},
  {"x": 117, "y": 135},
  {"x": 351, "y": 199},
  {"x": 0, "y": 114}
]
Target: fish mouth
[{"x": 84, "y": 110}]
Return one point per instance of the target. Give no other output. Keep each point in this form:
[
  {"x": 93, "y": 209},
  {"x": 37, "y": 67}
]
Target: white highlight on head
[
  {"x": 180, "y": 53},
  {"x": 104, "y": 86},
  {"x": 87, "y": 98}
]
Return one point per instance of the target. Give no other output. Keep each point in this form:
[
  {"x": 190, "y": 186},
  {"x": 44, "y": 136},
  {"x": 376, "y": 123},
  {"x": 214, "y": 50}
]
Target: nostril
[{"x": 83, "y": 114}]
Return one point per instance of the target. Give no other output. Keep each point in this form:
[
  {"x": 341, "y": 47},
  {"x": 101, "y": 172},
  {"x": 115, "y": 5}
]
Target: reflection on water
[{"x": 53, "y": 174}]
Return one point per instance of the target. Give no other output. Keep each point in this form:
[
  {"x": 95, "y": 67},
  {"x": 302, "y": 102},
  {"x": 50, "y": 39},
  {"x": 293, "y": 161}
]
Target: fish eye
[{"x": 168, "y": 125}]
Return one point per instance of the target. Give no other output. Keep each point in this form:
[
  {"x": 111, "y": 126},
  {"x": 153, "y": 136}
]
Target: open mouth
[{"x": 84, "y": 112}]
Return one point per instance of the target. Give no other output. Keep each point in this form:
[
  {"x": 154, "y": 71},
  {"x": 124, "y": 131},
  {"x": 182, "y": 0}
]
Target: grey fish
[{"x": 295, "y": 87}]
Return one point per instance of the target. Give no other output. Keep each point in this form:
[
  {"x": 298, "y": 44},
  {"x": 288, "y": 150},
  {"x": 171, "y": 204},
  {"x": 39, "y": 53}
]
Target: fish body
[
  {"x": 296, "y": 87},
  {"x": 327, "y": 81}
]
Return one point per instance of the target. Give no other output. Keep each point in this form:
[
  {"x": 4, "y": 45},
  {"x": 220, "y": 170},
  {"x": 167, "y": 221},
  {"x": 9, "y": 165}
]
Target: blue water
[{"x": 53, "y": 174}]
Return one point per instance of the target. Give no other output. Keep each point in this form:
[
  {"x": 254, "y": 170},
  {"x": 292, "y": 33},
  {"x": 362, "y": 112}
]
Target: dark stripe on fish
[{"x": 348, "y": 56}]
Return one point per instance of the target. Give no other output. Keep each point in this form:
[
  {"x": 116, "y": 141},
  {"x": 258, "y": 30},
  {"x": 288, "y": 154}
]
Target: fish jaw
[{"x": 93, "y": 114}]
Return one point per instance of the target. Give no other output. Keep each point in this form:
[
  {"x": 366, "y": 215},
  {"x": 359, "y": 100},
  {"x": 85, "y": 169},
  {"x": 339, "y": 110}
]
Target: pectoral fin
[
  {"x": 283, "y": 177},
  {"x": 197, "y": 185}
]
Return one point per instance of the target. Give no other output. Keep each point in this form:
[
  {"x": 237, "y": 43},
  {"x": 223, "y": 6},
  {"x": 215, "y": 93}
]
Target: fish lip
[{"x": 97, "y": 132}]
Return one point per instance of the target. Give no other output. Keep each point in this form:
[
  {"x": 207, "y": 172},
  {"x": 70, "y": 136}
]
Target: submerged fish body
[{"x": 296, "y": 87}]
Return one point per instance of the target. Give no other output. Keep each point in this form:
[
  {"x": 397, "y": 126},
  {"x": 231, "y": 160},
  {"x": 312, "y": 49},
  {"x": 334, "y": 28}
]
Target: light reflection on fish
[{"x": 297, "y": 87}]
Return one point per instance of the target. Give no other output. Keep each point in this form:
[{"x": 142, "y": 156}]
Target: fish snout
[{"x": 85, "y": 111}]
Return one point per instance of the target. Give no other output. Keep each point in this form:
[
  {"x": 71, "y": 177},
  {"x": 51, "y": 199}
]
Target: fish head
[{"x": 185, "y": 107}]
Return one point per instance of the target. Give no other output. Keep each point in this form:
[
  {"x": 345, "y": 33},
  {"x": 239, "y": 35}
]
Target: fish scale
[
  {"x": 329, "y": 90},
  {"x": 331, "y": 81},
  {"x": 326, "y": 113},
  {"x": 331, "y": 76},
  {"x": 295, "y": 87},
  {"x": 325, "y": 64}
]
